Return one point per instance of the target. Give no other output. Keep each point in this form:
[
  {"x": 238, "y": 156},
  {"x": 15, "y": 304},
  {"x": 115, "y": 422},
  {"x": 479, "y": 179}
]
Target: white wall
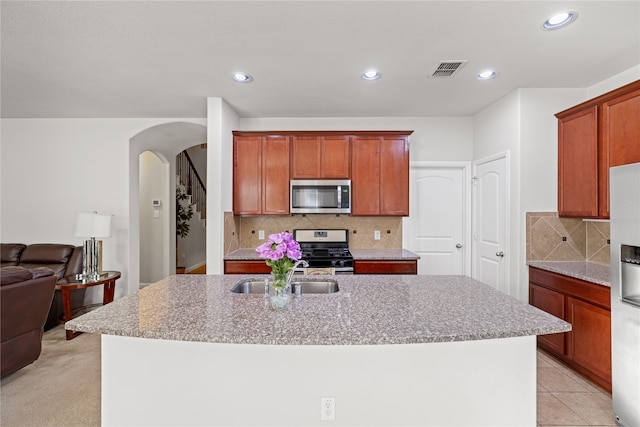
[
  {"x": 152, "y": 227},
  {"x": 221, "y": 120},
  {"x": 614, "y": 82},
  {"x": 51, "y": 169},
  {"x": 523, "y": 122},
  {"x": 497, "y": 130},
  {"x": 434, "y": 138}
]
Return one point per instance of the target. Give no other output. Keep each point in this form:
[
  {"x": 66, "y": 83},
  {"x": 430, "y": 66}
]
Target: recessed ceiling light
[
  {"x": 559, "y": 19},
  {"x": 242, "y": 77},
  {"x": 371, "y": 75},
  {"x": 486, "y": 75}
]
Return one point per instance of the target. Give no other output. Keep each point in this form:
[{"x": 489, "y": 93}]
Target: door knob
[
  {"x": 500, "y": 254},
  {"x": 458, "y": 245}
]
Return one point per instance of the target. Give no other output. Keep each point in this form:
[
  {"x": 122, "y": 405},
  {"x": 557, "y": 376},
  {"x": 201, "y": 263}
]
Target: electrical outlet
[
  {"x": 327, "y": 409},
  {"x": 376, "y": 235},
  {"x": 261, "y": 234}
]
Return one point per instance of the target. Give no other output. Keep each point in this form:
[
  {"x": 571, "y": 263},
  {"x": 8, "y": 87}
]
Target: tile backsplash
[
  {"x": 242, "y": 232},
  {"x": 551, "y": 238}
]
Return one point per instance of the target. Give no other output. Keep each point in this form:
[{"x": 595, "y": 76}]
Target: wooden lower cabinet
[
  {"x": 553, "y": 303},
  {"x": 246, "y": 267},
  {"x": 587, "y": 347},
  {"x": 385, "y": 267},
  {"x": 589, "y": 342}
]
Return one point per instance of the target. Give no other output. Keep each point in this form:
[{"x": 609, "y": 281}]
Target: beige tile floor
[{"x": 565, "y": 398}]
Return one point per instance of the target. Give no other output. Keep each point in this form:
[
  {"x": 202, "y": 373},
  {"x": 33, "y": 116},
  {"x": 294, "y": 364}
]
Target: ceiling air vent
[{"x": 448, "y": 69}]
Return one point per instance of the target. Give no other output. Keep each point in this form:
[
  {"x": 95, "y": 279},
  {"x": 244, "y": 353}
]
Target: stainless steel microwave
[{"x": 320, "y": 196}]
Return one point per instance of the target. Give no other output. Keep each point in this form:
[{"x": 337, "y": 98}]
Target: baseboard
[{"x": 195, "y": 266}]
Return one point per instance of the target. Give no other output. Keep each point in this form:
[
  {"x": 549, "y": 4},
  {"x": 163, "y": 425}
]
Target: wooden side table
[{"x": 69, "y": 283}]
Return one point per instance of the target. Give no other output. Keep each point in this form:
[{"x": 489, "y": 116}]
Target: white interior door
[
  {"x": 438, "y": 214},
  {"x": 490, "y": 222}
]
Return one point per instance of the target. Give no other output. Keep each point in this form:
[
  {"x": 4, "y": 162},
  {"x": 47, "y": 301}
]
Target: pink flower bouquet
[{"x": 280, "y": 252}]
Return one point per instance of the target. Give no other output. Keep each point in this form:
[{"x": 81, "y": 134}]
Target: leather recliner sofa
[
  {"x": 64, "y": 260},
  {"x": 25, "y": 296}
]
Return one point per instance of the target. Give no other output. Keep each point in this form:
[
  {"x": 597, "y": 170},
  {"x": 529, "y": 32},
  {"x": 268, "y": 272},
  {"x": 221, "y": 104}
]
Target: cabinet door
[
  {"x": 589, "y": 342},
  {"x": 305, "y": 157},
  {"x": 335, "y": 159},
  {"x": 621, "y": 128},
  {"x": 365, "y": 176},
  {"x": 394, "y": 176},
  {"x": 275, "y": 175},
  {"x": 578, "y": 164},
  {"x": 553, "y": 303},
  {"x": 247, "y": 175}
]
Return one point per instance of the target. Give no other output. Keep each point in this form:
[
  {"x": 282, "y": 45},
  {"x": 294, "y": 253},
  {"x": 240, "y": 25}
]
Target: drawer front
[
  {"x": 246, "y": 267},
  {"x": 385, "y": 267}
]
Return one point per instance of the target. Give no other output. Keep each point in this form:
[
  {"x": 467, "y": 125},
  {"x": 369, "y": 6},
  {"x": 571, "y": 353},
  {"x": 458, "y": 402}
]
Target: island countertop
[{"x": 367, "y": 310}]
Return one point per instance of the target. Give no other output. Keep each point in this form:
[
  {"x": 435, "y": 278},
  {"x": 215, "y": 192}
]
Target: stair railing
[{"x": 194, "y": 186}]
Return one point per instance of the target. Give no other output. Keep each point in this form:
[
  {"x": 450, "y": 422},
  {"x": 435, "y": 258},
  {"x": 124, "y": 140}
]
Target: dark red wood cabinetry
[
  {"x": 377, "y": 162},
  {"x": 380, "y": 175},
  {"x": 260, "y": 175},
  {"x": 587, "y": 306},
  {"x": 246, "y": 267},
  {"x": 385, "y": 267},
  {"x": 593, "y": 136},
  {"x": 320, "y": 157}
]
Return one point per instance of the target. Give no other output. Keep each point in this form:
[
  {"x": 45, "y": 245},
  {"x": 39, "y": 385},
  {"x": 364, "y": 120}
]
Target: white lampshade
[{"x": 93, "y": 225}]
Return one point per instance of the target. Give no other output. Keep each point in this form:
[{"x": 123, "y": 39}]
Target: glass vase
[{"x": 279, "y": 291}]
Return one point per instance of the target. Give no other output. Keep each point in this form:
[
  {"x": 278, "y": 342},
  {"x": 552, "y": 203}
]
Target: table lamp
[{"x": 92, "y": 225}]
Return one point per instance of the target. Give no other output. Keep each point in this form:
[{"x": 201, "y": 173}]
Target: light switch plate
[{"x": 260, "y": 234}]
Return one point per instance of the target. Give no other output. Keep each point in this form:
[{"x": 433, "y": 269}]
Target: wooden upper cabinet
[
  {"x": 578, "y": 164},
  {"x": 394, "y": 176},
  {"x": 247, "y": 175},
  {"x": 620, "y": 128},
  {"x": 325, "y": 157},
  {"x": 377, "y": 162},
  {"x": 336, "y": 161},
  {"x": 365, "y": 175},
  {"x": 261, "y": 175},
  {"x": 275, "y": 175},
  {"x": 305, "y": 157},
  {"x": 610, "y": 124},
  {"x": 380, "y": 175}
]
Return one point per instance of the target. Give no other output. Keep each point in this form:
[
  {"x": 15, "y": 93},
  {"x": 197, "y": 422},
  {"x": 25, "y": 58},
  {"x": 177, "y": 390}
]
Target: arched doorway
[{"x": 165, "y": 141}]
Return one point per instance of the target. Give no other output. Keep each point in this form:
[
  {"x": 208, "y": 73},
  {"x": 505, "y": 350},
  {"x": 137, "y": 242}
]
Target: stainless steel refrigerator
[{"x": 625, "y": 292}]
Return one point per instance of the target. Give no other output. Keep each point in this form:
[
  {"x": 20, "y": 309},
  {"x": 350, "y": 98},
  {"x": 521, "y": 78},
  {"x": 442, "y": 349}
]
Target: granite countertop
[
  {"x": 367, "y": 310},
  {"x": 382, "y": 254},
  {"x": 591, "y": 272}
]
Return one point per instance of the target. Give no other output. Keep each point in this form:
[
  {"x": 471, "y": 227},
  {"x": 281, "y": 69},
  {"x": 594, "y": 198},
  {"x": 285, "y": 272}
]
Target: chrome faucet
[{"x": 293, "y": 269}]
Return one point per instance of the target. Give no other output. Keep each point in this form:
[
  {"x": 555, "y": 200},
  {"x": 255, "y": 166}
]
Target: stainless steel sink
[{"x": 307, "y": 286}]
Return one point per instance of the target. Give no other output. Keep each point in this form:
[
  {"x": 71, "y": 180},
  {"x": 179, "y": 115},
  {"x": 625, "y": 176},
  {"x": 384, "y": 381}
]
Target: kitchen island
[{"x": 391, "y": 350}]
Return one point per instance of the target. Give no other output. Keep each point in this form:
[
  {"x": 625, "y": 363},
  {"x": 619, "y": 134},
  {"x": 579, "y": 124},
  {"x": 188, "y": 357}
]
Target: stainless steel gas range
[{"x": 326, "y": 249}]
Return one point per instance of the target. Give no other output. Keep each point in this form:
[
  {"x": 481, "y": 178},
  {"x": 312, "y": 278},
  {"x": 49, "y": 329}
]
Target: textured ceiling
[{"x": 164, "y": 58}]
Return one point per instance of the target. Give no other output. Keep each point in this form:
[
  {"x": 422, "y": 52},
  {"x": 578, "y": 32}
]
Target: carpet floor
[{"x": 61, "y": 388}]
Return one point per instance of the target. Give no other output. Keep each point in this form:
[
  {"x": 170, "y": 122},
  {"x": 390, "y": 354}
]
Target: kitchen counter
[
  {"x": 591, "y": 272},
  {"x": 367, "y": 310},
  {"x": 383, "y": 254},
  {"x": 358, "y": 254},
  {"x": 391, "y": 350}
]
